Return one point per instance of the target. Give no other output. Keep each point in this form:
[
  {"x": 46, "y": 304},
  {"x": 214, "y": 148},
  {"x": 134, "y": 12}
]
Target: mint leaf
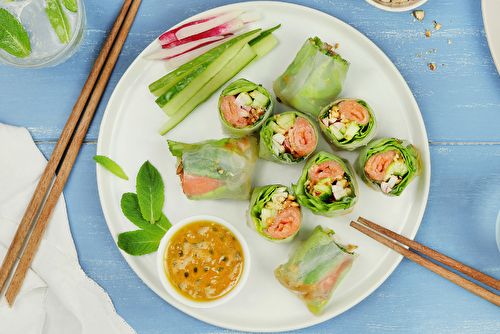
[
  {"x": 150, "y": 193},
  {"x": 131, "y": 210},
  {"x": 71, "y": 5},
  {"x": 59, "y": 20},
  {"x": 110, "y": 165},
  {"x": 138, "y": 242},
  {"x": 13, "y": 37}
]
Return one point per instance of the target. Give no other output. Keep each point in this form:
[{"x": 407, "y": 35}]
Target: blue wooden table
[{"x": 460, "y": 104}]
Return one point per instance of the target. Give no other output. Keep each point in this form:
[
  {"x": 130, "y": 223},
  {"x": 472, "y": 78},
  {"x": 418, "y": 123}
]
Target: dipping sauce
[{"x": 203, "y": 261}]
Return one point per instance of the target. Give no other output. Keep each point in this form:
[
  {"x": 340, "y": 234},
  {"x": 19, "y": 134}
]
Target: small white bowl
[
  {"x": 163, "y": 276},
  {"x": 396, "y": 7}
]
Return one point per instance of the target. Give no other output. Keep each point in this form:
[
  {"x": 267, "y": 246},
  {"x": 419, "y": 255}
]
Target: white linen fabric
[{"x": 56, "y": 296}]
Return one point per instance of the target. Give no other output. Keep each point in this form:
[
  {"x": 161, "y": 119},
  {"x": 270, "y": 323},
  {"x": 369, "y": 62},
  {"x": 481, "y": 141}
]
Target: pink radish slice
[
  {"x": 198, "y": 26},
  {"x": 223, "y": 29},
  {"x": 173, "y": 63},
  {"x": 181, "y": 49}
]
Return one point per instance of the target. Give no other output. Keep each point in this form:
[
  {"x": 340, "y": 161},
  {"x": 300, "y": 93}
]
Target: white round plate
[
  {"x": 396, "y": 7},
  {"x": 491, "y": 11},
  {"x": 129, "y": 136}
]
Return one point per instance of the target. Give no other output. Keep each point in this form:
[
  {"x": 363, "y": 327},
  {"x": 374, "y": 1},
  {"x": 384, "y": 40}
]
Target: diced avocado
[
  {"x": 336, "y": 132},
  {"x": 243, "y": 99},
  {"x": 259, "y": 99},
  {"x": 323, "y": 189},
  {"x": 276, "y": 128},
  {"x": 286, "y": 120},
  {"x": 267, "y": 213},
  {"x": 352, "y": 129},
  {"x": 396, "y": 168}
]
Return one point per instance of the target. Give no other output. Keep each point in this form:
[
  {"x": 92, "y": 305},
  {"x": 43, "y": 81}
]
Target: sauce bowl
[{"x": 169, "y": 249}]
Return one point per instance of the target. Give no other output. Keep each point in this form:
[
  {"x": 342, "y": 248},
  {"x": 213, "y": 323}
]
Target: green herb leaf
[
  {"x": 138, "y": 242},
  {"x": 71, "y": 5},
  {"x": 150, "y": 193},
  {"x": 110, "y": 165},
  {"x": 59, "y": 20},
  {"x": 131, "y": 210},
  {"x": 13, "y": 37}
]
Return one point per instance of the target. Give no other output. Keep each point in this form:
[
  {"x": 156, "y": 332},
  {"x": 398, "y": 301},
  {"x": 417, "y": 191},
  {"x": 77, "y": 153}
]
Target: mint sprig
[
  {"x": 111, "y": 166},
  {"x": 13, "y": 37},
  {"x": 144, "y": 209}
]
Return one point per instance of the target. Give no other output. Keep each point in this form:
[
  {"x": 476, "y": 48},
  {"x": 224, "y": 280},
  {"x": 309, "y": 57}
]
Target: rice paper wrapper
[
  {"x": 215, "y": 169},
  {"x": 315, "y": 268},
  {"x": 409, "y": 153},
  {"x": 326, "y": 205},
  {"x": 360, "y": 138},
  {"x": 303, "y": 138},
  {"x": 260, "y": 197},
  {"x": 313, "y": 79},
  {"x": 245, "y": 86}
]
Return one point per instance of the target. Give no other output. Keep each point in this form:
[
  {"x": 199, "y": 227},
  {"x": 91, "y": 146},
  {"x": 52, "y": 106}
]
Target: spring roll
[
  {"x": 216, "y": 169},
  {"x": 243, "y": 108},
  {"x": 314, "y": 78},
  {"x": 288, "y": 138},
  {"x": 274, "y": 213},
  {"x": 316, "y": 267},
  {"x": 348, "y": 123},
  {"x": 388, "y": 165},
  {"x": 327, "y": 185}
]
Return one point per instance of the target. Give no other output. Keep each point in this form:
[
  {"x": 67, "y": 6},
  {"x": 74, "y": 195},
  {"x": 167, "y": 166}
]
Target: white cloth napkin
[{"x": 56, "y": 296}]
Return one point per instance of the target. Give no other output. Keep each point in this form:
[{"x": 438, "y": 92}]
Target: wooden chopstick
[
  {"x": 71, "y": 154},
  {"x": 382, "y": 234},
  {"x": 55, "y": 158}
]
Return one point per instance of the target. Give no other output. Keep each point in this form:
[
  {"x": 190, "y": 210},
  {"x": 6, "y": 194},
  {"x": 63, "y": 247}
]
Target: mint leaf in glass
[
  {"x": 71, "y": 5},
  {"x": 59, "y": 20},
  {"x": 13, "y": 37}
]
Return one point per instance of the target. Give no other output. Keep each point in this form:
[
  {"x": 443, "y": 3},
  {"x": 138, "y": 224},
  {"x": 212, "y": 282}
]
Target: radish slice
[
  {"x": 173, "y": 63},
  {"x": 181, "y": 49},
  {"x": 198, "y": 26},
  {"x": 223, "y": 29}
]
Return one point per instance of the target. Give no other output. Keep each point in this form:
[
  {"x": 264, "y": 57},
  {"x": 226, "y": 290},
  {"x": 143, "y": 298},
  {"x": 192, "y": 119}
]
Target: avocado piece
[
  {"x": 323, "y": 189},
  {"x": 352, "y": 129},
  {"x": 396, "y": 168},
  {"x": 336, "y": 132},
  {"x": 286, "y": 120},
  {"x": 276, "y": 128},
  {"x": 259, "y": 99}
]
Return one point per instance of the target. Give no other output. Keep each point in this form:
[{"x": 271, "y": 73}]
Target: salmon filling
[
  {"x": 328, "y": 181},
  {"x": 281, "y": 215},
  {"x": 239, "y": 114},
  {"x": 346, "y": 119},
  {"x": 387, "y": 168}
]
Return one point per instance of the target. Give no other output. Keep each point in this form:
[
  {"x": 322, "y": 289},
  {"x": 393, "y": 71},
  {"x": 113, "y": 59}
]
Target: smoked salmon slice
[
  {"x": 285, "y": 224},
  {"x": 377, "y": 165},
  {"x": 195, "y": 185},
  {"x": 354, "y": 111},
  {"x": 302, "y": 137}
]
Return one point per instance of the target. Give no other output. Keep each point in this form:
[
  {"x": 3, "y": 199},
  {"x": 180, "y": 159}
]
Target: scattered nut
[
  {"x": 437, "y": 26},
  {"x": 427, "y": 33},
  {"x": 432, "y": 66},
  {"x": 419, "y": 14}
]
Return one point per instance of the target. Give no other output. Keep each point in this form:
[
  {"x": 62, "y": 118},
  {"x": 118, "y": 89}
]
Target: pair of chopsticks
[
  {"x": 95, "y": 85},
  {"x": 384, "y": 235}
]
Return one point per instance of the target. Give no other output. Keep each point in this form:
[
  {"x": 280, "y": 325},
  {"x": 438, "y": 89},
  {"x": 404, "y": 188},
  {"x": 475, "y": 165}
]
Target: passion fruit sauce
[{"x": 203, "y": 261}]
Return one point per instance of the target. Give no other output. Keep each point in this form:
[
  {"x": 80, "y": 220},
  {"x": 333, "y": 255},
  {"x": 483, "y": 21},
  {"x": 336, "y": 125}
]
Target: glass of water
[{"x": 55, "y": 29}]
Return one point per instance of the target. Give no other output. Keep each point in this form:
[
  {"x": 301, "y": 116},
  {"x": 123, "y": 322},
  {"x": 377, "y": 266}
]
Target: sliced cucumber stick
[{"x": 238, "y": 62}]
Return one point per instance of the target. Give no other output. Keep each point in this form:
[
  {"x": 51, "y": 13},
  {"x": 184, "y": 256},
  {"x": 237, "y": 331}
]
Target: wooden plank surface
[{"x": 460, "y": 104}]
